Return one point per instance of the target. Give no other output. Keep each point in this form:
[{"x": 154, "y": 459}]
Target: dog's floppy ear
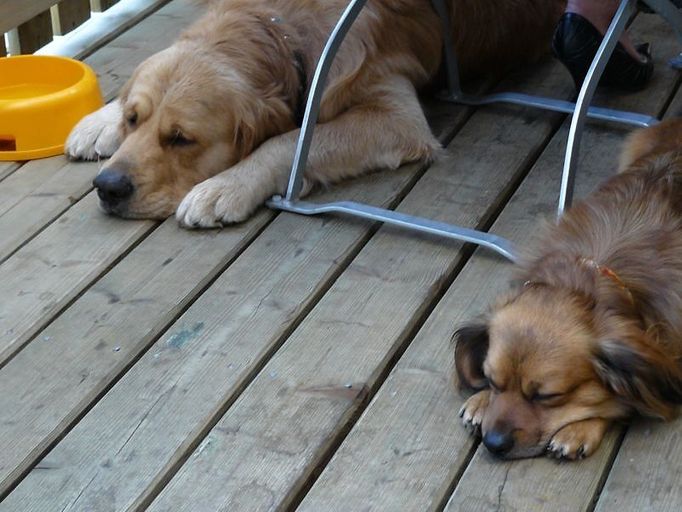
[
  {"x": 471, "y": 347},
  {"x": 642, "y": 375},
  {"x": 257, "y": 119}
]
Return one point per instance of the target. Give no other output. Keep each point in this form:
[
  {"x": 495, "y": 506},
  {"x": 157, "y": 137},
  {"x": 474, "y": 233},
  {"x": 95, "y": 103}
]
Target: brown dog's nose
[
  {"x": 498, "y": 443},
  {"x": 113, "y": 186}
]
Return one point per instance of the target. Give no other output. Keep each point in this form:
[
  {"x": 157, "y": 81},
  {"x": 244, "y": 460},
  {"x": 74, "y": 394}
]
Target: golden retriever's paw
[
  {"x": 577, "y": 440},
  {"x": 473, "y": 410},
  {"x": 214, "y": 203},
  {"x": 96, "y": 135}
]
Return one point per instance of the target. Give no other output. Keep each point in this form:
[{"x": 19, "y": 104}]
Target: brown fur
[
  {"x": 608, "y": 345},
  {"x": 229, "y": 88}
]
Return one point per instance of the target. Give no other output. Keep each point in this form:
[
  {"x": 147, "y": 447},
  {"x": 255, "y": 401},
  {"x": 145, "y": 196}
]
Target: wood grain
[
  {"x": 7, "y": 168},
  {"x": 407, "y": 446},
  {"x": 34, "y": 33},
  {"x": 75, "y": 358},
  {"x": 139, "y": 297},
  {"x": 70, "y": 14},
  {"x": 52, "y": 269},
  {"x": 237, "y": 322},
  {"x": 266, "y": 446}
]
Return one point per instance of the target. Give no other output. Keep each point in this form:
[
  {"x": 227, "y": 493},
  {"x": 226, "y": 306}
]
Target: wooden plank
[
  {"x": 69, "y": 15},
  {"x": 43, "y": 195},
  {"x": 15, "y": 12},
  {"x": 269, "y": 441},
  {"x": 264, "y": 449},
  {"x": 101, "y": 30},
  {"x": 102, "y": 5},
  {"x": 278, "y": 276},
  {"x": 52, "y": 269},
  {"x": 35, "y": 33},
  {"x": 79, "y": 355},
  {"x": 647, "y": 471},
  {"x": 541, "y": 484},
  {"x": 399, "y": 455},
  {"x": 29, "y": 178},
  {"x": 648, "y": 467},
  {"x": 7, "y": 168}
]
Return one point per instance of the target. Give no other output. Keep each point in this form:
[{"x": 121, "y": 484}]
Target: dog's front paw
[
  {"x": 473, "y": 410},
  {"x": 96, "y": 135},
  {"x": 578, "y": 440},
  {"x": 216, "y": 202}
]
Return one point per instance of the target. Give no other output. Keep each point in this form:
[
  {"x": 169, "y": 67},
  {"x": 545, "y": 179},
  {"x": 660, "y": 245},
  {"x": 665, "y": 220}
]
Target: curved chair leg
[
  {"x": 449, "y": 56},
  {"x": 616, "y": 29},
  {"x": 292, "y": 203},
  {"x": 312, "y": 108},
  {"x": 580, "y": 110}
]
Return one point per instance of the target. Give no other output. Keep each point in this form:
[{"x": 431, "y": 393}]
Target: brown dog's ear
[
  {"x": 643, "y": 376},
  {"x": 471, "y": 347}
]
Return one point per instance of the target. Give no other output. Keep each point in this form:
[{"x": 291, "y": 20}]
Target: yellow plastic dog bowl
[{"x": 41, "y": 100}]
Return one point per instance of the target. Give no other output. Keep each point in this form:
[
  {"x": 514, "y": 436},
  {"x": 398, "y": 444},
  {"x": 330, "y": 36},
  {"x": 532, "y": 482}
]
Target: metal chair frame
[{"x": 580, "y": 111}]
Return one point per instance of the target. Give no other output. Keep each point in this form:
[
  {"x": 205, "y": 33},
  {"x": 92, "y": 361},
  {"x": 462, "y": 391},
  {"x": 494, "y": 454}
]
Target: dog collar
[
  {"x": 299, "y": 64},
  {"x": 606, "y": 272},
  {"x": 600, "y": 269},
  {"x": 299, "y": 113}
]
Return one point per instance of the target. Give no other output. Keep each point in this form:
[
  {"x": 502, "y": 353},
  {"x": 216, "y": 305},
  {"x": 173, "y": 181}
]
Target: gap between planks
[
  {"x": 381, "y": 185},
  {"x": 368, "y": 273}
]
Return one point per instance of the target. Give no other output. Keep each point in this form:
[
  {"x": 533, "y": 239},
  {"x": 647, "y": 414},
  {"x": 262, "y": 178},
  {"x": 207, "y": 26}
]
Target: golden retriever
[
  {"x": 592, "y": 330},
  {"x": 211, "y": 123}
]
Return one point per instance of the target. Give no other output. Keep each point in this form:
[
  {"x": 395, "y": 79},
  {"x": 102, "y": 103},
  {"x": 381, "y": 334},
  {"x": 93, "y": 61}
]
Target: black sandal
[{"x": 575, "y": 44}]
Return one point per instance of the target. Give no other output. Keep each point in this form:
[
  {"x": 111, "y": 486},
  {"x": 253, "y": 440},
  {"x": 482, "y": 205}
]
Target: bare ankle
[{"x": 598, "y": 13}]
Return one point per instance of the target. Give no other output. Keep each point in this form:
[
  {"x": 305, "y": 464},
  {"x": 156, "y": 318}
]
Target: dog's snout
[
  {"x": 113, "y": 186},
  {"x": 499, "y": 443}
]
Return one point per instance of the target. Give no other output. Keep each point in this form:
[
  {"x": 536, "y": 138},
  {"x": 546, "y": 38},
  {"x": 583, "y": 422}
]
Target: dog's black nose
[
  {"x": 498, "y": 443},
  {"x": 113, "y": 186}
]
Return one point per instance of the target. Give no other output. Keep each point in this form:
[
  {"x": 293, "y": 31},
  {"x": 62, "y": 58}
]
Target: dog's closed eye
[
  {"x": 178, "y": 139},
  {"x": 545, "y": 398},
  {"x": 131, "y": 119}
]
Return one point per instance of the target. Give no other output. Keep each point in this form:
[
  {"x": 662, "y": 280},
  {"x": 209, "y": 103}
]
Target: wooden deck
[{"x": 290, "y": 362}]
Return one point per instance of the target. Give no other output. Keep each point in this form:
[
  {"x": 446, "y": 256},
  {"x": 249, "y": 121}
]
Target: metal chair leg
[
  {"x": 449, "y": 56},
  {"x": 291, "y": 202},
  {"x": 581, "y": 110},
  {"x": 312, "y": 108},
  {"x": 454, "y": 93},
  {"x": 616, "y": 29}
]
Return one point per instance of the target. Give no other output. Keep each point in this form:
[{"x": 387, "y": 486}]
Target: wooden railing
[{"x": 31, "y": 24}]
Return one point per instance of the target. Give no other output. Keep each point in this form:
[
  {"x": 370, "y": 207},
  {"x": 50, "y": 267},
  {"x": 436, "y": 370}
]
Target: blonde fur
[{"x": 230, "y": 87}]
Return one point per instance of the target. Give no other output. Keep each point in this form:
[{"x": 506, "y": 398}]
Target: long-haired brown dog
[
  {"x": 592, "y": 331},
  {"x": 210, "y": 123}
]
